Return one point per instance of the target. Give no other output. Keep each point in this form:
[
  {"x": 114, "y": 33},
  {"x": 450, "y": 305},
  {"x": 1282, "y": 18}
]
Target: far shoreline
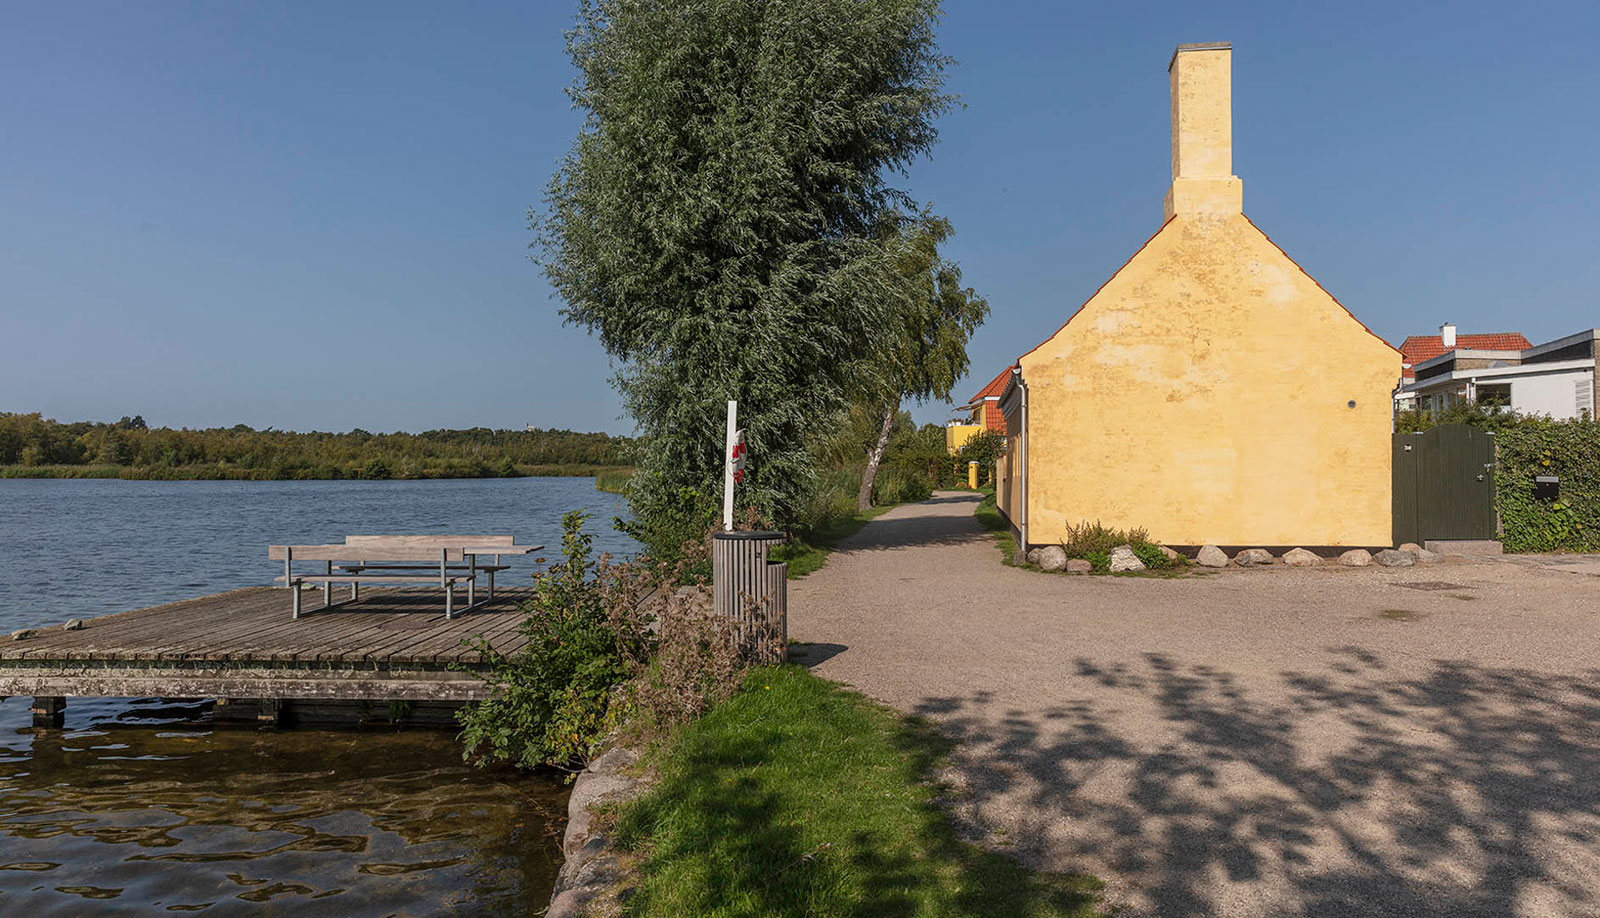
[{"x": 234, "y": 473}]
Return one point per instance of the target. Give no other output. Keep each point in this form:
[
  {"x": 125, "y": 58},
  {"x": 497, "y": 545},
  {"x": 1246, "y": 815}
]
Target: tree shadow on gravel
[
  {"x": 1469, "y": 791},
  {"x": 914, "y": 531}
]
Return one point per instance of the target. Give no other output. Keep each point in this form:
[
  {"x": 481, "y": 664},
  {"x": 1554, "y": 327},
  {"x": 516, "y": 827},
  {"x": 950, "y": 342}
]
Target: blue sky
[{"x": 313, "y": 215}]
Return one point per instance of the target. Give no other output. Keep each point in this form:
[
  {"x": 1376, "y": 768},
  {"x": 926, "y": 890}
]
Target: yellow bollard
[{"x": 972, "y": 475}]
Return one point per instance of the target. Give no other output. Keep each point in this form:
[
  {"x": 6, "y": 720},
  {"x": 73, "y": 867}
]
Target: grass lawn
[
  {"x": 798, "y": 797},
  {"x": 989, "y": 518},
  {"x": 808, "y": 551}
]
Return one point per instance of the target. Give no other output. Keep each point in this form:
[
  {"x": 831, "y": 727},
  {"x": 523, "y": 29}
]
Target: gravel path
[{"x": 1374, "y": 742}]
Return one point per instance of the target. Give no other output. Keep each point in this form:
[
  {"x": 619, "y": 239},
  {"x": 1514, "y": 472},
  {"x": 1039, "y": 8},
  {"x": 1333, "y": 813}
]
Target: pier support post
[
  {"x": 49, "y": 710},
  {"x": 271, "y": 713}
]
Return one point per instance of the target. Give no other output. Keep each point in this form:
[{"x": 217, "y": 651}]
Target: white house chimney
[{"x": 1447, "y": 335}]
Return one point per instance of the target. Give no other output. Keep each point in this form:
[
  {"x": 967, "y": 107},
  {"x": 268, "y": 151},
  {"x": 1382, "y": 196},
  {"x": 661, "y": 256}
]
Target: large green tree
[
  {"x": 926, "y": 350},
  {"x": 726, "y": 225}
]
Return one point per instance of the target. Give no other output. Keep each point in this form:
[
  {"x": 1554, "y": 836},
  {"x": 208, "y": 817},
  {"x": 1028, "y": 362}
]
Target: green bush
[
  {"x": 1087, "y": 537},
  {"x": 1094, "y": 541},
  {"x": 1152, "y": 556},
  {"x": 551, "y": 701},
  {"x": 1529, "y": 447},
  {"x": 983, "y": 448},
  {"x": 894, "y": 486},
  {"x": 674, "y": 530}
]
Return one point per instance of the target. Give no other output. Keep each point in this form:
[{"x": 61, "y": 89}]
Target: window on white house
[{"x": 1497, "y": 395}]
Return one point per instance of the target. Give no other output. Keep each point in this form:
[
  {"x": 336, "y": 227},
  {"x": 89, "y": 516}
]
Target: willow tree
[
  {"x": 725, "y": 221},
  {"x": 925, "y": 351}
]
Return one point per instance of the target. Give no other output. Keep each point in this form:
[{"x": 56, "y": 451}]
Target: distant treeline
[{"x": 37, "y": 447}]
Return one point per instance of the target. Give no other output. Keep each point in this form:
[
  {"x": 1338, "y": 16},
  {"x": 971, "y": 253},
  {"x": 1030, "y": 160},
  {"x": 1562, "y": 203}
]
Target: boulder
[
  {"x": 1424, "y": 556},
  {"x": 1391, "y": 558},
  {"x": 1170, "y": 555},
  {"x": 1123, "y": 559},
  {"x": 1410, "y": 546},
  {"x": 1079, "y": 566},
  {"x": 1356, "y": 557},
  {"x": 1052, "y": 558},
  {"x": 1299, "y": 557},
  {"x": 1211, "y": 556},
  {"x": 1032, "y": 556},
  {"x": 1251, "y": 557}
]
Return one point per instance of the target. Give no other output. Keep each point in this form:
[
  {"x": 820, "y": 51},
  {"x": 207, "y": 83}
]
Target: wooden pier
[{"x": 243, "y": 649}]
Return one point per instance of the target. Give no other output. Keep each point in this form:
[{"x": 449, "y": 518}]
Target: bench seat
[
  {"x": 373, "y": 578},
  {"x": 482, "y": 568}
]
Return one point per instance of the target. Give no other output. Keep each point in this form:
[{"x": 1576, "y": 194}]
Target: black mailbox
[{"x": 1547, "y": 487}]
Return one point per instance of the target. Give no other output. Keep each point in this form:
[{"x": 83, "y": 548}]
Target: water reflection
[{"x": 146, "y": 807}]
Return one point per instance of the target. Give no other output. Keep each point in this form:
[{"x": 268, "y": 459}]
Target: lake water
[{"x": 142, "y": 806}]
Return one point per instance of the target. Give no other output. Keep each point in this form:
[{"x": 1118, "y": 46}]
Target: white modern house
[{"x": 1556, "y": 378}]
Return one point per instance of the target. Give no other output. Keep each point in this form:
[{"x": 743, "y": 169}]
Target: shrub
[
  {"x": 1093, "y": 542},
  {"x": 1087, "y": 537},
  {"x": 1529, "y": 447},
  {"x": 700, "y": 662},
  {"x": 897, "y": 487},
  {"x": 674, "y": 530},
  {"x": 983, "y": 448},
  {"x": 552, "y": 700},
  {"x": 1152, "y": 556}
]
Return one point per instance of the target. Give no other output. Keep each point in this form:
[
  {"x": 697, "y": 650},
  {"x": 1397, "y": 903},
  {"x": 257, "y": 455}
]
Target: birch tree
[{"x": 926, "y": 351}]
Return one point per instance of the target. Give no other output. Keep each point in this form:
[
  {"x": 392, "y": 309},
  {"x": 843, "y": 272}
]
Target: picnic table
[{"x": 442, "y": 560}]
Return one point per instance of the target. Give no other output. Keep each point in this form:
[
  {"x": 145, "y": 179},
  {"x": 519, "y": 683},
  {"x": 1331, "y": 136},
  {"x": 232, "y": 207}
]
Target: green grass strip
[
  {"x": 798, "y": 797},
  {"x": 808, "y": 551},
  {"x": 989, "y": 517}
]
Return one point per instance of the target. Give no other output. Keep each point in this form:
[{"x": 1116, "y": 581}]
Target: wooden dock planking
[{"x": 394, "y": 643}]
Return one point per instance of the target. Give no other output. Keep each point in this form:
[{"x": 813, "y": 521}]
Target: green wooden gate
[{"x": 1444, "y": 485}]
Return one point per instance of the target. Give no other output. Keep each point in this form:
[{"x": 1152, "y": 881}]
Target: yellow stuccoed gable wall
[{"x": 1203, "y": 393}]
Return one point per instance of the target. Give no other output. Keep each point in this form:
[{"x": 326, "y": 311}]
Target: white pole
[{"x": 727, "y": 466}]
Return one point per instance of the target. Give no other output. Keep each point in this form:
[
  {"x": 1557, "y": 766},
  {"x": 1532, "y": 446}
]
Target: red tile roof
[
  {"x": 993, "y": 389},
  {"x": 1418, "y": 348}
]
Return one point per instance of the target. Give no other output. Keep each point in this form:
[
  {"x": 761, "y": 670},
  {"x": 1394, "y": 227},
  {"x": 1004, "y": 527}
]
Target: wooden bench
[{"x": 397, "y": 560}]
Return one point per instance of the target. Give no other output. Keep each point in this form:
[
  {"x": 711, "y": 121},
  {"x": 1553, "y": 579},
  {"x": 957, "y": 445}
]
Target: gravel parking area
[{"x": 1248, "y": 742}]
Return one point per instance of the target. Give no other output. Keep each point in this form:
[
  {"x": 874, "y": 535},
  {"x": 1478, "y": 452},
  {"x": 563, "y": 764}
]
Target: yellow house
[
  {"x": 983, "y": 413},
  {"x": 1211, "y": 391}
]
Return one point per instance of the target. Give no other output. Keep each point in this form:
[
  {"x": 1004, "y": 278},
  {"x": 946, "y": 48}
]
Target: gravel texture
[{"x": 1243, "y": 742}]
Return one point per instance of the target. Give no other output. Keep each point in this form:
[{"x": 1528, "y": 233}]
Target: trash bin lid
[{"x": 756, "y": 534}]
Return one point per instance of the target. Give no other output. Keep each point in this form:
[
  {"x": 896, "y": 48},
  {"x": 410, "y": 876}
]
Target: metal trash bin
[{"x": 752, "y": 591}]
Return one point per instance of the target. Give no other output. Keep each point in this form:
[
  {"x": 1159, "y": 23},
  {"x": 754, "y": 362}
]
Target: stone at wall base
[
  {"x": 1389, "y": 557},
  {"x": 1250, "y": 557},
  {"x": 1052, "y": 558},
  {"x": 1123, "y": 559},
  {"x": 1211, "y": 556},
  {"x": 1356, "y": 557},
  {"x": 1299, "y": 557},
  {"x": 1078, "y": 566}
]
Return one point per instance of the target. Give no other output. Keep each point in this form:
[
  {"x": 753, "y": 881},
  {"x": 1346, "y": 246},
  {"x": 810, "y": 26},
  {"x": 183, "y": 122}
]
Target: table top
[{"x": 394, "y": 552}]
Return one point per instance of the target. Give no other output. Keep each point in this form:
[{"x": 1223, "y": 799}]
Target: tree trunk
[{"x": 864, "y": 498}]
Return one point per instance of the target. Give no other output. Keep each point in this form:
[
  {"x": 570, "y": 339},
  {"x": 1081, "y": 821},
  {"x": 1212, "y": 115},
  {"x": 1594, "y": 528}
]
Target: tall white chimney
[{"x": 1447, "y": 335}]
